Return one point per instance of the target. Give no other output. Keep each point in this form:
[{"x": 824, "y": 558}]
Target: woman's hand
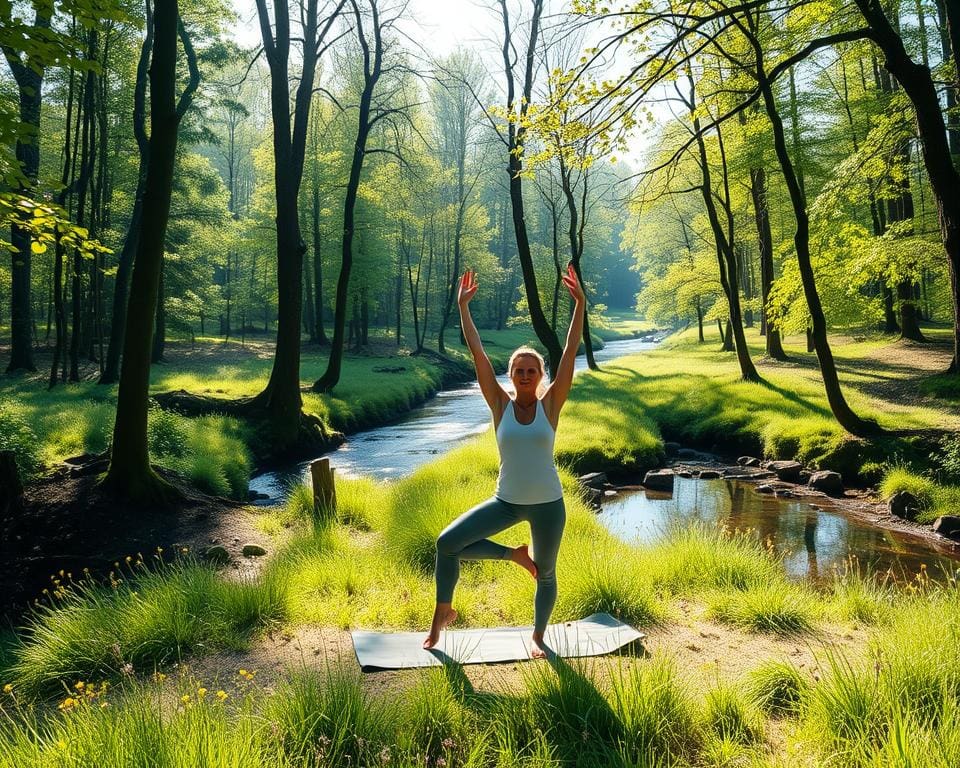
[
  {"x": 468, "y": 288},
  {"x": 573, "y": 285}
]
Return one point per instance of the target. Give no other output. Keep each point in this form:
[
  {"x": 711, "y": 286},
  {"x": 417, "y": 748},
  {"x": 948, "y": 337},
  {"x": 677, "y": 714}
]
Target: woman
[{"x": 528, "y": 487}]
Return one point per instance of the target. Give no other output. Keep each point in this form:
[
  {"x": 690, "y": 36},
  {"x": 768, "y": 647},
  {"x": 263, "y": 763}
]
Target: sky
[{"x": 440, "y": 26}]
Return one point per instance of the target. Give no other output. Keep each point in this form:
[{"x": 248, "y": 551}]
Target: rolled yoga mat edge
[{"x": 594, "y": 635}]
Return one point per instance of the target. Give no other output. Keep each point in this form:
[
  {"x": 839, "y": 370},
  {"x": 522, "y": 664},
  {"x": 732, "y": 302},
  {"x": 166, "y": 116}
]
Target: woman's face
[{"x": 526, "y": 374}]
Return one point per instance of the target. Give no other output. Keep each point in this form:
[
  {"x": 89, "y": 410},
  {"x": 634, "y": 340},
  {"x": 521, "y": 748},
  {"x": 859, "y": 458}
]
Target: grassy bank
[
  {"x": 897, "y": 688},
  {"x": 43, "y": 426}
]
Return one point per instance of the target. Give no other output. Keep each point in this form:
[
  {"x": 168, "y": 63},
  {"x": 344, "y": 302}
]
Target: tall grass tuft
[
  {"x": 147, "y": 617},
  {"x": 729, "y": 716},
  {"x": 859, "y": 596},
  {"x": 140, "y": 726},
  {"x": 659, "y": 717},
  {"x": 326, "y": 718},
  {"x": 564, "y": 701},
  {"x": 697, "y": 557},
  {"x": 777, "y": 688},
  {"x": 778, "y": 607}
]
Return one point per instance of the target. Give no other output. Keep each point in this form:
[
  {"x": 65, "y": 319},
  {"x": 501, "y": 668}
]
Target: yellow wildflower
[
  {"x": 79, "y": 686},
  {"x": 8, "y": 688},
  {"x": 185, "y": 698},
  {"x": 201, "y": 692},
  {"x": 222, "y": 695}
]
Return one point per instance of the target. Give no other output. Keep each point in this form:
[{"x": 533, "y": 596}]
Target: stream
[{"x": 814, "y": 539}]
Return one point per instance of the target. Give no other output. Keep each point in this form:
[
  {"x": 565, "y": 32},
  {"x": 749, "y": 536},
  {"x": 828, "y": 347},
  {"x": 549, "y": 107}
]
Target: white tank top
[{"x": 527, "y": 472}]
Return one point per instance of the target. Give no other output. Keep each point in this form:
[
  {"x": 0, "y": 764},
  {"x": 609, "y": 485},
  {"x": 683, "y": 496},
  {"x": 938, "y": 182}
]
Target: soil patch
[
  {"x": 704, "y": 652},
  {"x": 68, "y": 523}
]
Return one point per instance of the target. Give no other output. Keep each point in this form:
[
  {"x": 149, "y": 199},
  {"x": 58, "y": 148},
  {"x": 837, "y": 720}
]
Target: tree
[
  {"x": 130, "y": 474},
  {"x": 368, "y": 116},
  {"x": 281, "y": 398}
]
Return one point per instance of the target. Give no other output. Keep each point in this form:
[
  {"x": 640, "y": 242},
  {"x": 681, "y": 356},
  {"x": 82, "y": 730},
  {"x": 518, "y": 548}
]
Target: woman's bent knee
[{"x": 447, "y": 543}]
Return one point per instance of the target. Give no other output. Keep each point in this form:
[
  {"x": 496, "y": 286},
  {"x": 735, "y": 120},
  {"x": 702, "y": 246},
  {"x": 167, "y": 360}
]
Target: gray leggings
[{"x": 466, "y": 539}]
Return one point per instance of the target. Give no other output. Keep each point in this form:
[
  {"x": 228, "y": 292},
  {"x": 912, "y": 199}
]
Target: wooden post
[{"x": 324, "y": 491}]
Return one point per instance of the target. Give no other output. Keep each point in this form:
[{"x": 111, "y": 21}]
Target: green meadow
[{"x": 118, "y": 673}]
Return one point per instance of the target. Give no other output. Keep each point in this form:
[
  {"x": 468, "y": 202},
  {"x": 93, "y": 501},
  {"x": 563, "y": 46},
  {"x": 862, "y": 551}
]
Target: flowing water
[
  {"x": 396, "y": 450},
  {"x": 814, "y": 539}
]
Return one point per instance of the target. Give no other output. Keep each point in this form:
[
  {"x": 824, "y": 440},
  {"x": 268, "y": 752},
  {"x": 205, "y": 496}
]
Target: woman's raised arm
[
  {"x": 493, "y": 393},
  {"x": 556, "y": 394}
]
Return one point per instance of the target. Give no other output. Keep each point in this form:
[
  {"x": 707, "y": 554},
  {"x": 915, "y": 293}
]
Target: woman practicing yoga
[{"x": 528, "y": 487}]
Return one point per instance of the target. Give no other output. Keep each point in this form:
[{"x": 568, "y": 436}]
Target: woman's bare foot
[
  {"x": 521, "y": 556},
  {"x": 538, "y": 650},
  {"x": 442, "y": 616}
]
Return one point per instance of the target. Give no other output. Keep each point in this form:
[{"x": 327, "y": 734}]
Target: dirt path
[{"x": 704, "y": 652}]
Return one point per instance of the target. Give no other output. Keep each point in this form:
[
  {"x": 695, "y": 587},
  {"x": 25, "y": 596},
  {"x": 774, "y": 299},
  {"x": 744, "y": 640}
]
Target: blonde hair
[{"x": 523, "y": 351}]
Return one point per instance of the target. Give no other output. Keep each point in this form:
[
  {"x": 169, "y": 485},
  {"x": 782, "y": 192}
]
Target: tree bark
[
  {"x": 130, "y": 474},
  {"x": 118, "y": 325},
  {"x": 28, "y": 75},
  {"x": 758, "y": 192}
]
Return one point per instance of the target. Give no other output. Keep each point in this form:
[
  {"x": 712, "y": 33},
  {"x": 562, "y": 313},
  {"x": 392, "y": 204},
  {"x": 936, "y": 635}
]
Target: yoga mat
[{"x": 593, "y": 636}]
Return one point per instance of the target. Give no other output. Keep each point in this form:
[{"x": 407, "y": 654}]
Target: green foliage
[
  {"x": 328, "y": 718},
  {"x": 729, "y": 716},
  {"x": 145, "y": 616},
  {"x": 777, "y": 687},
  {"x": 777, "y": 607},
  {"x": 17, "y": 435}
]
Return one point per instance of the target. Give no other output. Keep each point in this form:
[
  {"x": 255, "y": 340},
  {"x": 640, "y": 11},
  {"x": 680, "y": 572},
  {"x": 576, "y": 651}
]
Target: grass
[
  {"x": 898, "y": 704},
  {"x": 933, "y": 499},
  {"x": 143, "y": 618}
]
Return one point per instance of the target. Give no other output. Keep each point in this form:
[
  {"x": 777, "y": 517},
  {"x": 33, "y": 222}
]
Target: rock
[
  {"x": 608, "y": 494},
  {"x": 788, "y": 471},
  {"x": 805, "y": 475},
  {"x": 748, "y": 461},
  {"x": 948, "y": 525},
  {"x": 217, "y": 554},
  {"x": 253, "y": 550},
  {"x": 708, "y": 474},
  {"x": 592, "y": 480},
  {"x": 688, "y": 453},
  {"x": 785, "y": 493},
  {"x": 903, "y": 504},
  {"x": 671, "y": 449},
  {"x": 764, "y": 488},
  {"x": 830, "y": 483},
  {"x": 659, "y": 480},
  {"x": 685, "y": 473},
  {"x": 594, "y": 496}
]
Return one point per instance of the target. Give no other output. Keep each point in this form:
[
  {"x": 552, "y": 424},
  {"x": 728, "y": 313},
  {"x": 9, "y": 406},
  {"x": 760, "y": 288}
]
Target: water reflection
[{"x": 814, "y": 540}]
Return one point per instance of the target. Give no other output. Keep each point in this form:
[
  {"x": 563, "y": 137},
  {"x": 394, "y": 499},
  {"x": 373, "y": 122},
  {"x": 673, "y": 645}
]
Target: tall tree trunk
[
  {"x": 160, "y": 321},
  {"x": 29, "y": 78},
  {"x": 130, "y": 474},
  {"x": 831, "y": 382},
  {"x": 118, "y": 324},
  {"x": 758, "y": 192},
  {"x": 281, "y": 398},
  {"x": 371, "y": 75},
  {"x": 516, "y": 136},
  {"x": 726, "y": 255},
  {"x": 87, "y": 159}
]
